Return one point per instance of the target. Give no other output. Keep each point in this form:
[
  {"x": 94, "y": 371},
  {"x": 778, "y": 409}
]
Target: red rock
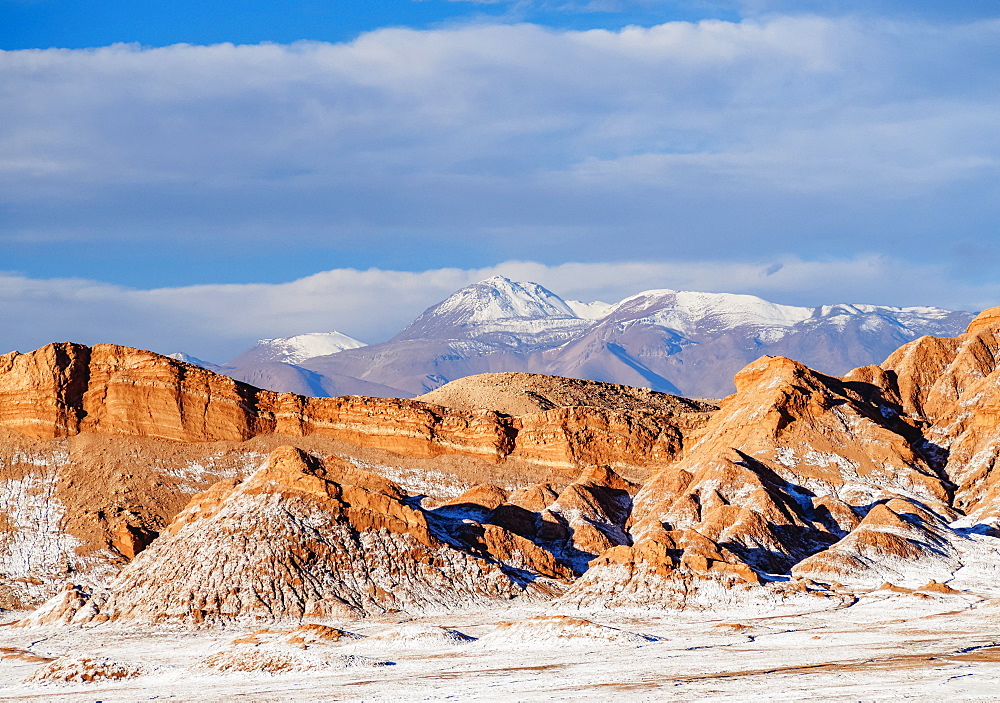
[{"x": 302, "y": 538}]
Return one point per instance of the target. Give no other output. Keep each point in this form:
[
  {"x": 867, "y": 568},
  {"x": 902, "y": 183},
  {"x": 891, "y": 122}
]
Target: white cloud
[
  {"x": 218, "y": 321},
  {"x": 674, "y": 140}
]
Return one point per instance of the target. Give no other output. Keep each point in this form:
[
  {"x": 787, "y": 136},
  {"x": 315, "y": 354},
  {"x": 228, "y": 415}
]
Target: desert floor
[{"x": 884, "y": 645}]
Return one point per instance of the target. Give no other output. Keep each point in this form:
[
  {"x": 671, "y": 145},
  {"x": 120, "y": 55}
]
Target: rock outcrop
[
  {"x": 799, "y": 483},
  {"x": 953, "y": 386},
  {"x": 66, "y": 389},
  {"x": 103, "y": 446},
  {"x": 302, "y": 538},
  {"x": 795, "y": 464},
  {"x": 570, "y": 524},
  {"x": 884, "y": 547}
]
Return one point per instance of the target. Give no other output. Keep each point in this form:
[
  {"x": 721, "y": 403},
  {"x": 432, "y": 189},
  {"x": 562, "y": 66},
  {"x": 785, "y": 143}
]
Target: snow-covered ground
[{"x": 884, "y": 645}]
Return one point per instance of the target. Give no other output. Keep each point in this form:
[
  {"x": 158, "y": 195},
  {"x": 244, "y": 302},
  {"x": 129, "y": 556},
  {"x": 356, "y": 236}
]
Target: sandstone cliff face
[
  {"x": 105, "y": 445},
  {"x": 64, "y": 389},
  {"x": 41, "y": 394}
]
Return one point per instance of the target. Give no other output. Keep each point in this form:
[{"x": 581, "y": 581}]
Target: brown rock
[
  {"x": 988, "y": 319},
  {"x": 954, "y": 386},
  {"x": 301, "y": 538},
  {"x": 891, "y": 535},
  {"x": 41, "y": 394},
  {"x": 529, "y": 393},
  {"x": 938, "y": 587},
  {"x": 484, "y": 496},
  {"x": 780, "y": 473},
  {"x": 129, "y": 540},
  {"x": 63, "y": 389}
]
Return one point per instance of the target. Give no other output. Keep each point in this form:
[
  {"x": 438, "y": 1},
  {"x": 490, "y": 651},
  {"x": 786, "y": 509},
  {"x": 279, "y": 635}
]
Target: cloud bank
[
  {"x": 460, "y": 146},
  {"x": 216, "y": 322}
]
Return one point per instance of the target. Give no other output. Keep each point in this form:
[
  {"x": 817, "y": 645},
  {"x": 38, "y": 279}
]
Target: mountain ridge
[
  {"x": 671, "y": 341},
  {"x": 680, "y": 342}
]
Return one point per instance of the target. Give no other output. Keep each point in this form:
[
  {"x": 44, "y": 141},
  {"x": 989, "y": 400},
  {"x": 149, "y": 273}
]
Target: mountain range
[{"x": 679, "y": 342}]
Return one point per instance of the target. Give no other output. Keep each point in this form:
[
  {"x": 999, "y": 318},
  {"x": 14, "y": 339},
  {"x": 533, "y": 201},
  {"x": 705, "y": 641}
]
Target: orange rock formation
[
  {"x": 882, "y": 476},
  {"x": 65, "y": 389},
  {"x": 303, "y": 538}
]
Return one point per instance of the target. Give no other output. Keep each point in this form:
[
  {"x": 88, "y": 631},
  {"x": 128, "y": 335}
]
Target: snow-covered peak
[
  {"x": 499, "y": 298},
  {"x": 298, "y": 348},
  {"x": 685, "y": 310},
  {"x": 495, "y": 305},
  {"x": 863, "y": 309},
  {"x": 589, "y": 311}
]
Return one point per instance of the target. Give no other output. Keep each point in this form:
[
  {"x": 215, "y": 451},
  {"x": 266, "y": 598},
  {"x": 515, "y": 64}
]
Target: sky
[{"x": 198, "y": 175}]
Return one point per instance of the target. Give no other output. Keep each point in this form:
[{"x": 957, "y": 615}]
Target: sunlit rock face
[
  {"x": 105, "y": 445},
  {"x": 506, "y": 487},
  {"x": 953, "y": 386}
]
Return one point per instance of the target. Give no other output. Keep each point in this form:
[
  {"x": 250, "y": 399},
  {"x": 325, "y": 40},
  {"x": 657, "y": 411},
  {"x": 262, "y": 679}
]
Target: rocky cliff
[
  {"x": 799, "y": 482},
  {"x": 67, "y": 389},
  {"x": 105, "y": 445}
]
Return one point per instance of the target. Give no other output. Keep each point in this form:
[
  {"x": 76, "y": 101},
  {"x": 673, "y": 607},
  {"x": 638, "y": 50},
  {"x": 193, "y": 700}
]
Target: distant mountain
[
  {"x": 499, "y": 313},
  {"x": 292, "y": 350},
  {"x": 693, "y": 343},
  {"x": 273, "y": 364},
  {"x": 188, "y": 359},
  {"x": 673, "y": 341}
]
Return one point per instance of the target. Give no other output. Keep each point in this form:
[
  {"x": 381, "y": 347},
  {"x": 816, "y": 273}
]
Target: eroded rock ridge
[{"x": 798, "y": 482}]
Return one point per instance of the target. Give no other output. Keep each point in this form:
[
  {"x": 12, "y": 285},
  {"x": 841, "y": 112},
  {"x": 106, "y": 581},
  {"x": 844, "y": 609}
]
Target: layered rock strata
[
  {"x": 65, "y": 389},
  {"x": 101, "y": 447},
  {"x": 797, "y": 482}
]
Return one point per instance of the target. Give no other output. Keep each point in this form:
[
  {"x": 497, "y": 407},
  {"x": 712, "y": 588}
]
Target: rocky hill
[
  {"x": 103, "y": 446},
  {"x": 524, "y": 393},
  {"x": 510, "y": 486}
]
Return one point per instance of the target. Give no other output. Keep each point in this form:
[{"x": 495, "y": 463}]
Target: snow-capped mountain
[
  {"x": 694, "y": 343},
  {"x": 292, "y": 350},
  {"x": 274, "y": 364},
  {"x": 501, "y": 312},
  {"x": 674, "y": 341}
]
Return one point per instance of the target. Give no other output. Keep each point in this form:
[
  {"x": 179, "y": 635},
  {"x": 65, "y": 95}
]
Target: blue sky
[
  {"x": 160, "y": 163},
  {"x": 33, "y": 24}
]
